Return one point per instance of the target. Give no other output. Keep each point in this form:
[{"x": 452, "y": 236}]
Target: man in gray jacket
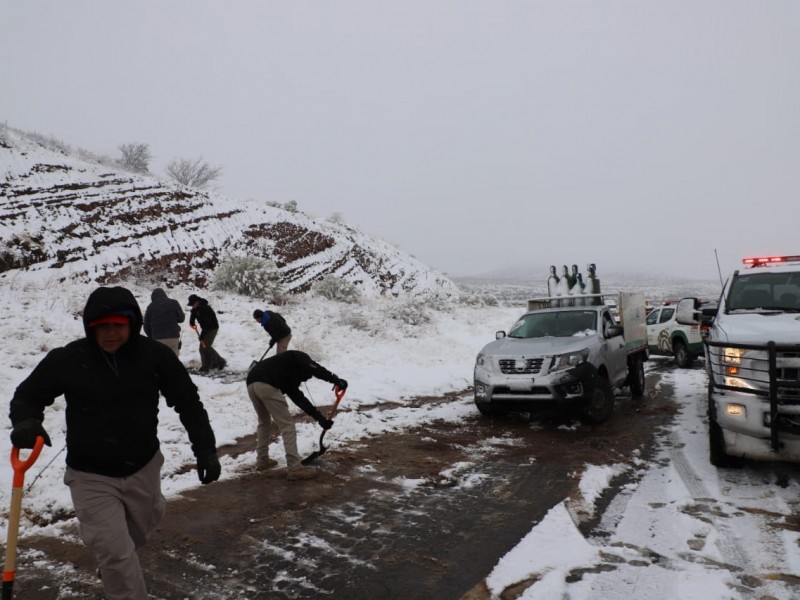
[{"x": 161, "y": 320}]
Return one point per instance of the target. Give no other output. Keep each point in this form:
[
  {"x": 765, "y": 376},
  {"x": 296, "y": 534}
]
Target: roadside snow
[{"x": 681, "y": 530}]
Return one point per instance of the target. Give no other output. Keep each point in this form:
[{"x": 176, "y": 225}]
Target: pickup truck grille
[
  {"x": 521, "y": 366},
  {"x": 770, "y": 371},
  {"x": 760, "y": 370}
]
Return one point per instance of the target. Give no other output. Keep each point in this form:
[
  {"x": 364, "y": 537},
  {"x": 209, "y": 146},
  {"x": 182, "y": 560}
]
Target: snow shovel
[
  {"x": 255, "y": 362},
  {"x": 20, "y": 466},
  {"x": 310, "y": 458}
]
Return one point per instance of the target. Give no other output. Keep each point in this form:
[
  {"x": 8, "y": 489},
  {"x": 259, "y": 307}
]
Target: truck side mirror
[
  {"x": 688, "y": 313},
  {"x": 614, "y": 331},
  {"x": 499, "y": 335}
]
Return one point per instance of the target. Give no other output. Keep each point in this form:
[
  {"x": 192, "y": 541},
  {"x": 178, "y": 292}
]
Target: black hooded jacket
[
  {"x": 162, "y": 316},
  {"x": 112, "y": 399},
  {"x": 286, "y": 371}
]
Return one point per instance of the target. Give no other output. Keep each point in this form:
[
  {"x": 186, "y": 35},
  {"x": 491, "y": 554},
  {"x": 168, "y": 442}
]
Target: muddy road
[{"x": 422, "y": 514}]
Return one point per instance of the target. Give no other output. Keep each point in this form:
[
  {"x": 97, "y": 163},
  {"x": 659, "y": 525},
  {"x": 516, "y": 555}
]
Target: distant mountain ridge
[{"x": 75, "y": 219}]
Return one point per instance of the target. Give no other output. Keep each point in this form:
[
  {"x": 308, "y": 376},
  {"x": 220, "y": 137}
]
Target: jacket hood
[
  {"x": 158, "y": 294},
  {"x": 109, "y": 300}
]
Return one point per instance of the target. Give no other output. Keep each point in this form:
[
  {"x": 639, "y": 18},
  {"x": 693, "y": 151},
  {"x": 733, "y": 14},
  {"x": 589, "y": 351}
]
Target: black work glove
[
  {"x": 323, "y": 422},
  {"x": 208, "y": 468},
  {"x": 26, "y": 431},
  {"x": 340, "y": 383}
]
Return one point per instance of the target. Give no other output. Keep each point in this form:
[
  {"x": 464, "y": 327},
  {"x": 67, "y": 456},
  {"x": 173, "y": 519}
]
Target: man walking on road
[
  {"x": 275, "y": 325},
  {"x": 204, "y": 315},
  {"x": 267, "y": 383},
  {"x": 112, "y": 381},
  {"x": 162, "y": 320}
]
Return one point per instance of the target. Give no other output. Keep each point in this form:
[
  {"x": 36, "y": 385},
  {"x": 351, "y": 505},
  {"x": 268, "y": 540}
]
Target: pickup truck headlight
[{"x": 567, "y": 361}]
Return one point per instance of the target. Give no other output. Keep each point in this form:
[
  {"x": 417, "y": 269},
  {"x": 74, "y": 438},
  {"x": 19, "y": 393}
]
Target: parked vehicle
[
  {"x": 667, "y": 337},
  {"x": 753, "y": 362},
  {"x": 564, "y": 354}
]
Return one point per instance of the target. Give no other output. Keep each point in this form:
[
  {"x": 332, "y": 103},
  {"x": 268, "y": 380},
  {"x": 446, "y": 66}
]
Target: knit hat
[
  {"x": 193, "y": 298},
  {"x": 257, "y": 314}
]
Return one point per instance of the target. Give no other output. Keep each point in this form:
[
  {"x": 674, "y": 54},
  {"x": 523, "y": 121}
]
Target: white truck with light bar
[
  {"x": 567, "y": 349},
  {"x": 753, "y": 362}
]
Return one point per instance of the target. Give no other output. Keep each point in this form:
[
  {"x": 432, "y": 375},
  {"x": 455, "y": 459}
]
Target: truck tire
[
  {"x": 636, "y": 379},
  {"x": 717, "y": 455},
  {"x": 599, "y": 401},
  {"x": 486, "y": 409},
  {"x": 683, "y": 358}
]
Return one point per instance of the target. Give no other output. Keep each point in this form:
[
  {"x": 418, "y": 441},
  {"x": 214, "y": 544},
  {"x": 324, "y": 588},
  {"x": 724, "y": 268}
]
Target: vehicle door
[
  {"x": 616, "y": 358},
  {"x": 652, "y": 327}
]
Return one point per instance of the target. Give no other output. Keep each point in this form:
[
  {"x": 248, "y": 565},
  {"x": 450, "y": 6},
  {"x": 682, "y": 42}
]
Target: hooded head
[
  {"x": 111, "y": 305},
  {"x": 257, "y": 314},
  {"x": 158, "y": 294},
  {"x": 193, "y": 298}
]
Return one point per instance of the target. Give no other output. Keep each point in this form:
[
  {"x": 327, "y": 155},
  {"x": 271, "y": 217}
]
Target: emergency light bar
[{"x": 763, "y": 260}]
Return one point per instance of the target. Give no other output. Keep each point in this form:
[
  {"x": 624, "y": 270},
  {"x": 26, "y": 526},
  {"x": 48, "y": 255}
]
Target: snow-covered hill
[{"x": 65, "y": 213}]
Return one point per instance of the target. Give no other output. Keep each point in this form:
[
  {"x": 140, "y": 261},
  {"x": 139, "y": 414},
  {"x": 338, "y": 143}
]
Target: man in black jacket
[
  {"x": 111, "y": 381},
  {"x": 275, "y": 325},
  {"x": 204, "y": 315},
  {"x": 267, "y": 382},
  {"x": 162, "y": 320}
]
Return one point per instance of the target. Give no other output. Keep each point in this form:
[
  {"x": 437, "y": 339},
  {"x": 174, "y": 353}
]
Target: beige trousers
[
  {"x": 270, "y": 404},
  {"x": 172, "y": 343},
  {"x": 116, "y": 516},
  {"x": 283, "y": 344}
]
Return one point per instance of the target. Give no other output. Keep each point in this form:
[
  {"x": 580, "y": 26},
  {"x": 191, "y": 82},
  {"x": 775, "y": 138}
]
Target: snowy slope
[{"x": 94, "y": 222}]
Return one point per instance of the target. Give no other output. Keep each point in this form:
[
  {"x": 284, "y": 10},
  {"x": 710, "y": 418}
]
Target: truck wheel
[
  {"x": 599, "y": 401},
  {"x": 636, "y": 380},
  {"x": 485, "y": 409},
  {"x": 683, "y": 358},
  {"x": 717, "y": 455}
]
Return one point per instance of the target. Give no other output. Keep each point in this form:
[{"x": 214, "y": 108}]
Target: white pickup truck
[
  {"x": 667, "y": 337},
  {"x": 564, "y": 354},
  {"x": 753, "y": 362}
]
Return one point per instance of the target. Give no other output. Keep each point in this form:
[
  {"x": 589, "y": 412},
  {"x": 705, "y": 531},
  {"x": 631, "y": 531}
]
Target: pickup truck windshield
[
  {"x": 767, "y": 291},
  {"x": 555, "y": 324}
]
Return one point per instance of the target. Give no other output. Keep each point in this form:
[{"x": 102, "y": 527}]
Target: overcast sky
[{"x": 638, "y": 135}]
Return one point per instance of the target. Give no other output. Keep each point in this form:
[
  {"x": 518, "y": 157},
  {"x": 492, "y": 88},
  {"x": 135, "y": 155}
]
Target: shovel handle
[{"x": 20, "y": 466}]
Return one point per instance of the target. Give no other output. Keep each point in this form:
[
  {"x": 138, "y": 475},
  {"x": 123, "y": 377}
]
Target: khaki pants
[
  {"x": 270, "y": 403},
  {"x": 172, "y": 343},
  {"x": 116, "y": 516},
  {"x": 283, "y": 344}
]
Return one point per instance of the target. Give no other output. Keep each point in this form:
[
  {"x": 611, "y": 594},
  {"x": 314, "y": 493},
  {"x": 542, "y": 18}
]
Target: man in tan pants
[{"x": 267, "y": 383}]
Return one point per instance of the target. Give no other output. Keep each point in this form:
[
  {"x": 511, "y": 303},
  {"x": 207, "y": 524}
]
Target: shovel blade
[{"x": 313, "y": 456}]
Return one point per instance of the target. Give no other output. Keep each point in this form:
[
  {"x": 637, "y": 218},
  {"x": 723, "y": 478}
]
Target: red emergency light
[{"x": 764, "y": 260}]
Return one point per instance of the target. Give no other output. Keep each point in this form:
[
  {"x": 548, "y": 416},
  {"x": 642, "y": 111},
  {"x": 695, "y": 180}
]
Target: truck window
[
  {"x": 666, "y": 315},
  {"x": 764, "y": 290},
  {"x": 652, "y": 318}
]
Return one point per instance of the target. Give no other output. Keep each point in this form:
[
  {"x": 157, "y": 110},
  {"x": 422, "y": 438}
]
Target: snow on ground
[{"x": 681, "y": 529}]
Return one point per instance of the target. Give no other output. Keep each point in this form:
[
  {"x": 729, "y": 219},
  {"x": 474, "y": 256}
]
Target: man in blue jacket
[
  {"x": 275, "y": 325},
  {"x": 111, "y": 381}
]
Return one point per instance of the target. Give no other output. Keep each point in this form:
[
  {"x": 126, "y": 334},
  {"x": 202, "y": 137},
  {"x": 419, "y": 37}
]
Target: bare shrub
[
  {"x": 136, "y": 157},
  {"x": 193, "y": 172}
]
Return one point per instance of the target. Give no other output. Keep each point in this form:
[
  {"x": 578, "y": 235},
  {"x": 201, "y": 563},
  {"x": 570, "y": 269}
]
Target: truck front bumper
[
  {"x": 745, "y": 421},
  {"x": 521, "y": 392}
]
